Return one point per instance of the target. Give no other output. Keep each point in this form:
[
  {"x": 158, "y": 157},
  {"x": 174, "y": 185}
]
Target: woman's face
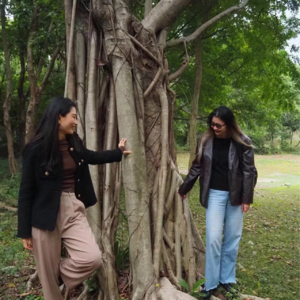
[
  {"x": 68, "y": 123},
  {"x": 219, "y": 127}
]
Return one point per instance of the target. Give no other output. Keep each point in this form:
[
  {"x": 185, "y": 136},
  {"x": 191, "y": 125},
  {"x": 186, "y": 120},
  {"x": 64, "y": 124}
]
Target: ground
[{"x": 268, "y": 261}]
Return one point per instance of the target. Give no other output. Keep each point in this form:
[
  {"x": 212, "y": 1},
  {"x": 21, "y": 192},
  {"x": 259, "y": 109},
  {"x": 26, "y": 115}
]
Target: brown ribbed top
[{"x": 69, "y": 167}]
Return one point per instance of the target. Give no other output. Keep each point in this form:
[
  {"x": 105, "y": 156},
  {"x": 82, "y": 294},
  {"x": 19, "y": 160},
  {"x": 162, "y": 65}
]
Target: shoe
[
  {"x": 205, "y": 295},
  {"x": 228, "y": 287}
]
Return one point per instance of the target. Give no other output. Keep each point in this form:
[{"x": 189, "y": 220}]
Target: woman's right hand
[
  {"x": 182, "y": 196},
  {"x": 27, "y": 243}
]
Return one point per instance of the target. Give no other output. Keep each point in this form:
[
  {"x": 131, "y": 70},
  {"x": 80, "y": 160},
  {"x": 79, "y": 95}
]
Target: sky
[{"x": 294, "y": 41}]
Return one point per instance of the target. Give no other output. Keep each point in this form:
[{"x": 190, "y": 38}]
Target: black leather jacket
[{"x": 241, "y": 173}]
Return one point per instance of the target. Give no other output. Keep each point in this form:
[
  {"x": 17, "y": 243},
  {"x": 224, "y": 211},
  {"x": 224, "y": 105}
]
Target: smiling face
[
  {"x": 219, "y": 127},
  {"x": 67, "y": 123}
]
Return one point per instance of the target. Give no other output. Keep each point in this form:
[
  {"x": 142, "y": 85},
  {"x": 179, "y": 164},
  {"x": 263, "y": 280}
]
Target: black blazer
[
  {"x": 40, "y": 189},
  {"x": 242, "y": 173}
]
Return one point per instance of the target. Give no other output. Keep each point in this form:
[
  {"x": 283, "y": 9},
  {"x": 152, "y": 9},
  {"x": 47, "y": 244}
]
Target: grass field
[{"x": 269, "y": 256}]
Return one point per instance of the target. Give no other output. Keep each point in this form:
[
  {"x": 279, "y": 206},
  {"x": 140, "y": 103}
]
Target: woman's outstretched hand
[
  {"x": 122, "y": 145},
  {"x": 27, "y": 243}
]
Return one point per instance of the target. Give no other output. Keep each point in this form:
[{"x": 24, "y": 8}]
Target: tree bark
[
  {"x": 22, "y": 99},
  {"x": 80, "y": 74},
  {"x": 91, "y": 129},
  {"x": 13, "y": 166},
  {"x": 195, "y": 102},
  {"x": 70, "y": 89},
  {"x": 163, "y": 14}
]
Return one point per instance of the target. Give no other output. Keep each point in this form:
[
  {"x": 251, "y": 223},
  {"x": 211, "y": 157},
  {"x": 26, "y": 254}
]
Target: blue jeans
[{"x": 221, "y": 217}]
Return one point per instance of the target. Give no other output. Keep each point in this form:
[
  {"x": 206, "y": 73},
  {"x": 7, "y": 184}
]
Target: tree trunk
[
  {"x": 80, "y": 74},
  {"x": 131, "y": 98},
  {"x": 91, "y": 129},
  {"x": 13, "y": 166},
  {"x": 22, "y": 99},
  {"x": 33, "y": 77},
  {"x": 70, "y": 54},
  {"x": 195, "y": 102}
]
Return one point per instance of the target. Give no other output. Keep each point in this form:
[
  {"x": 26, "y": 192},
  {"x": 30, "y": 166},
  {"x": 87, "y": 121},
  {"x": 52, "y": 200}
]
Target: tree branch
[
  {"x": 70, "y": 48},
  {"x": 163, "y": 14},
  {"x": 183, "y": 66},
  {"x": 153, "y": 83},
  {"x": 135, "y": 41},
  {"x": 50, "y": 68},
  {"x": 207, "y": 24},
  {"x": 148, "y": 7},
  {"x": 43, "y": 54},
  {"x": 30, "y": 68}
]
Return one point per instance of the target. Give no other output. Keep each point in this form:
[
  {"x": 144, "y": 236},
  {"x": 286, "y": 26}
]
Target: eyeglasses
[{"x": 218, "y": 126}]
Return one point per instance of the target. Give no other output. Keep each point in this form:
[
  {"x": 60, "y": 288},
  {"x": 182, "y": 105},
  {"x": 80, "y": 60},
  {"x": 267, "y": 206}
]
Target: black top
[{"x": 219, "y": 174}]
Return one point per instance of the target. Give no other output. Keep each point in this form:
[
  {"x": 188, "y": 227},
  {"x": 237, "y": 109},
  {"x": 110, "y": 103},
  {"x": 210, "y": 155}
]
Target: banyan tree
[{"x": 118, "y": 74}]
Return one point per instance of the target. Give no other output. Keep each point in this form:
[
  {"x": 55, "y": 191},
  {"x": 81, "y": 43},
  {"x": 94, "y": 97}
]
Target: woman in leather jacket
[
  {"x": 224, "y": 164},
  {"x": 55, "y": 190}
]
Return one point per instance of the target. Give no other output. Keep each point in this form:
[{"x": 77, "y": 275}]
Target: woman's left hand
[
  {"x": 245, "y": 207},
  {"x": 122, "y": 144}
]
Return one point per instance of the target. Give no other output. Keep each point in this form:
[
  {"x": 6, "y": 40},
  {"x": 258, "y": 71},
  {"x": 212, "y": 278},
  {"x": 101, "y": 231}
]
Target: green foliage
[
  {"x": 195, "y": 291},
  {"x": 92, "y": 283},
  {"x": 50, "y": 32},
  {"x": 33, "y": 297},
  {"x": 184, "y": 284},
  {"x": 244, "y": 67},
  {"x": 9, "y": 188},
  {"x": 11, "y": 249},
  {"x": 121, "y": 255}
]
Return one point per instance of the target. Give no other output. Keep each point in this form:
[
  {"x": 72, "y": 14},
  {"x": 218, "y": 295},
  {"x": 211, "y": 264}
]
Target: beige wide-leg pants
[{"x": 73, "y": 230}]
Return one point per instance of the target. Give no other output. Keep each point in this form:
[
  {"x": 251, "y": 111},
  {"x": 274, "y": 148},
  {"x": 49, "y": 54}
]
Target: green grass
[
  {"x": 271, "y": 264},
  {"x": 9, "y": 187},
  {"x": 16, "y": 263}
]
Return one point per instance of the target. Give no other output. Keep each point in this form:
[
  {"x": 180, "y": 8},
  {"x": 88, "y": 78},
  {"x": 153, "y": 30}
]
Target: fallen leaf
[
  {"x": 254, "y": 292},
  {"x": 25, "y": 294},
  {"x": 244, "y": 270},
  {"x": 11, "y": 285}
]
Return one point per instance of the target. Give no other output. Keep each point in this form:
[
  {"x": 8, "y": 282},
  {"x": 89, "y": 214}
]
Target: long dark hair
[
  {"x": 46, "y": 134},
  {"x": 234, "y": 131}
]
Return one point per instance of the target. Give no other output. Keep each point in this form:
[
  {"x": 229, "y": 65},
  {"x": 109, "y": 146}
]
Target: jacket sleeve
[
  {"x": 104, "y": 157},
  {"x": 26, "y": 194},
  {"x": 248, "y": 169},
  {"x": 192, "y": 176}
]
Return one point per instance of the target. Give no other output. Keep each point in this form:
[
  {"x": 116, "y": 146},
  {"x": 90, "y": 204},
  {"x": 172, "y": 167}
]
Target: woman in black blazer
[{"x": 55, "y": 189}]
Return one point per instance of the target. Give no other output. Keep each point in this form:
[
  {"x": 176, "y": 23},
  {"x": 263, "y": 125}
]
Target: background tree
[{"x": 13, "y": 167}]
